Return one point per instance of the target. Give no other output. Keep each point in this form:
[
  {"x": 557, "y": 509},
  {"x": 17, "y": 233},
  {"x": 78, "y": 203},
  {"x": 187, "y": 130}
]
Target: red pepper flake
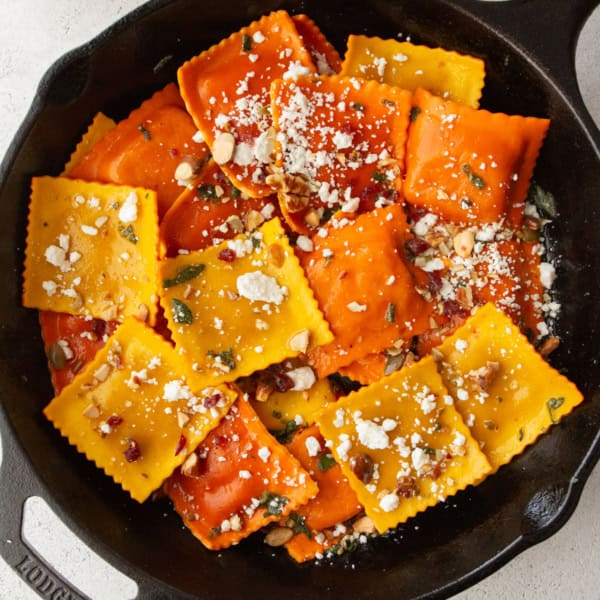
[
  {"x": 453, "y": 309},
  {"x": 174, "y": 152},
  {"x": 99, "y": 328},
  {"x": 227, "y": 255},
  {"x": 220, "y": 441},
  {"x": 133, "y": 451},
  {"x": 212, "y": 401},
  {"x": 180, "y": 444},
  {"x": 434, "y": 281},
  {"x": 114, "y": 421}
]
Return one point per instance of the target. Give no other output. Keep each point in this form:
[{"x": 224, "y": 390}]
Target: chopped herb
[
  {"x": 343, "y": 385},
  {"x": 325, "y": 462},
  {"x": 161, "y": 63},
  {"x": 115, "y": 205},
  {"x": 181, "y": 312},
  {"x": 128, "y": 233},
  {"x": 521, "y": 434},
  {"x": 379, "y": 177},
  {"x": 283, "y": 436},
  {"x": 544, "y": 201},
  {"x": 387, "y": 102},
  {"x": 214, "y": 531},
  {"x": 415, "y": 111},
  {"x": 477, "y": 181},
  {"x": 358, "y": 106},
  {"x": 235, "y": 193},
  {"x": 255, "y": 242},
  {"x": 490, "y": 425},
  {"x": 144, "y": 132},
  {"x": 428, "y": 450},
  {"x": 390, "y": 313},
  {"x": 274, "y": 503},
  {"x": 438, "y": 426},
  {"x": 276, "y": 414},
  {"x": 207, "y": 191},
  {"x": 465, "y": 203},
  {"x": 226, "y": 357},
  {"x": 328, "y": 213},
  {"x": 500, "y": 398},
  {"x": 298, "y": 524},
  {"x": 246, "y": 43},
  {"x": 553, "y": 404},
  {"x": 184, "y": 274}
]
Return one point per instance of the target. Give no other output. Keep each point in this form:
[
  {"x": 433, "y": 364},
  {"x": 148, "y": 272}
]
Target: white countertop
[{"x": 33, "y": 33}]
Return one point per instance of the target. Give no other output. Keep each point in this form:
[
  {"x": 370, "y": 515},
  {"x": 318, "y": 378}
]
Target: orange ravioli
[
  {"x": 91, "y": 249},
  {"x": 324, "y": 56},
  {"x": 340, "y": 145},
  {"x": 363, "y": 287},
  {"x": 282, "y": 407},
  {"x": 226, "y": 90},
  {"x": 336, "y": 502},
  {"x": 402, "y": 444},
  {"x": 136, "y": 411},
  {"x": 210, "y": 210},
  {"x": 506, "y": 392},
  {"x": 470, "y": 165},
  {"x": 71, "y": 342},
  {"x": 99, "y": 127},
  {"x": 146, "y": 148},
  {"x": 368, "y": 369},
  {"x": 248, "y": 305},
  {"x": 444, "y": 73},
  {"x": 241, "y": 481}
]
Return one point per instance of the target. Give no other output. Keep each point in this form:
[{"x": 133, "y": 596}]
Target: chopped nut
[
  {"x": 278, "y": 536},
  {"x": 409, "y": 359},
  {"x": 182, "y": 418},
  {"x": 438, "y": 356},
  {"x": 236, "y": 523},
  {"x": 464, "y": 296},
  {"x": 184, "y": 171},
  {"x": 276, "y": 255},
  {"x": 77, "y": 303},
  {"x": 364, "y": 525},
  {"x": 484, "y": 376},
  {"x": 299, "y": 342},
  {"x": 91, "y": 411},
  {"x": 263, "y": 392},
  {"x": 142, "y": 312},
  {"x": 341, "y": 158},
  {"x": 223, "y": 148},
  {"x": 292, "y": 190},
  {"x": 236, "y": 224},
  {"x": 549, "y": 345},
  {"x": 292, "y": 203},
  {"x": 253, "y": 220},
  {"x": 312, "y": 218},
  {"x": 102, "y": 372},
  {"x": 463, "y": 243},
  {"x": 187, "y": 292},
  {"x": 189, "y": 468}
]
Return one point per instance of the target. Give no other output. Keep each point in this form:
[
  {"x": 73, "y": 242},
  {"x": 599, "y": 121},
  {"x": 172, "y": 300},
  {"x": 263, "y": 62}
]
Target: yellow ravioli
[
  {"x": 241, "y": 306},
  {"x": 405, "y": 432},
  {"x": 91, "y": 249},
  {"x": 282, "y": 407},
  {"x": 136, "y": 411},
  {"x": 444, "y": 73},
  {"x": 505, "y": 391},
  {"x": 98, "y": 128}
]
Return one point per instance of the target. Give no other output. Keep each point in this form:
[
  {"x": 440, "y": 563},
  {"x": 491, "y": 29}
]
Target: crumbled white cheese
[
  {"x": 176, "y": 390},
  {"x": 264, "y": 453},
  {"x": 461, "y": 345},
  {"x": 128, "y": 213},
  {"x": 371, "y": 435},
  {"x": 356, "y": 307},
  {"x": 419, "y": 459},
  {"x": 547, "y": 274},
  {"x": 258, "y": 287},
  {"x": 304, "y": 243},
  {"x": 312, "y": 446},
  {"x": 303, "y": 377},
  {"x": 243, "y": 474},
  {"x": 389, "y": 503}
]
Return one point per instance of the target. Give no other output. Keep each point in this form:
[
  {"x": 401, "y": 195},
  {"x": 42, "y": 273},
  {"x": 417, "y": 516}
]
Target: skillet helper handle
[
  {"x": 17, "y": 483},
  {"x": 547, "y": 32}
]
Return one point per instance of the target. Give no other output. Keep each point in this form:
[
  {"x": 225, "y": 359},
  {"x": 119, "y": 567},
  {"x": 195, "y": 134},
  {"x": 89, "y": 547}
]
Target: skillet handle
[
  {"x": 546, "y": 31},
  {"x": 17, "y": 483}
]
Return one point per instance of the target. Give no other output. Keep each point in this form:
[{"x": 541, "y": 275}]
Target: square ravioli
[
  {"x": 340, "y": 145},
  {"x": 444, "y": 73},
  {"x": 241, "y": 306},
  {"x": 470, "y": 165},
  {"x": 505, "y": 391},
  {"x": 359, "y": 276},
  {"x": 91, "y": 249},
  {"x": 226, "y": 90},
  {"x": 238, "y": 480},
  {"x": 402, "y": 444},
  {"x": 136, "y": 411}
]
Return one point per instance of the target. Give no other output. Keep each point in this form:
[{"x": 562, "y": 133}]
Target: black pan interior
[{"x": 443, "y": 549}]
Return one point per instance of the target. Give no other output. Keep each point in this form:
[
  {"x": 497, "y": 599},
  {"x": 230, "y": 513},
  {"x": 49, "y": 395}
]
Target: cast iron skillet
[{"x": 528, "y": 46}]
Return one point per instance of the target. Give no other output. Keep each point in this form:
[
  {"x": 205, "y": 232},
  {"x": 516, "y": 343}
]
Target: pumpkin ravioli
[
  {"x": 402, "y": 444},
  {"x": 136, "y": 411},
  {"x": 64, "y": 269},
  {"x": 241, "y": 306},
  {"x": 506, "y": 392}
]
